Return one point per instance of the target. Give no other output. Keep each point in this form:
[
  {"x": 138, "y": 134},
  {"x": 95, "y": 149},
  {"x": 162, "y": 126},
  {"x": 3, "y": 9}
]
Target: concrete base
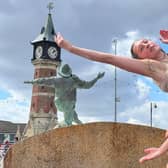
[
  {"x": 94, "y": 145},
  {"x": 39, "y": 123}
]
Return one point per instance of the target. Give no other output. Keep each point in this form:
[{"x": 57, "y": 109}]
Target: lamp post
[
  {"x": 152, "y": 105},
  {"x": 115, "y": 83}
]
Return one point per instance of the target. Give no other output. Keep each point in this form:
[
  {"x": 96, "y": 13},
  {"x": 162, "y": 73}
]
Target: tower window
[{"x": 42, "y": 30}]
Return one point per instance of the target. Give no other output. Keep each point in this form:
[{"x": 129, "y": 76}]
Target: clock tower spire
[{"x": 46, "y": 58}]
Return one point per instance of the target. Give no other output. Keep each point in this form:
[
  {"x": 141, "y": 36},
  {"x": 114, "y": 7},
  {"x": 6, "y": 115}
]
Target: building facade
[{"x": 9, "y": 131}]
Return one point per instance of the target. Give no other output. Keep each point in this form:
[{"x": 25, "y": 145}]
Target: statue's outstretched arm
[
  {"x": 89, "y": 84},
  {"x": 47, "y": 81}
]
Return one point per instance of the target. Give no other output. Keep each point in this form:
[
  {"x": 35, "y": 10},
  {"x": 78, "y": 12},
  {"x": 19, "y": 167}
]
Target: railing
[
  {"x": 1, "y": 159},
  {"x": 3, "y": 150}
]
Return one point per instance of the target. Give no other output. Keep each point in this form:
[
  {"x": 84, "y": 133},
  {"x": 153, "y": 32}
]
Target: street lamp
[
  {"x": 116, "y": 99},
  {"x": 152, "y": 105}
]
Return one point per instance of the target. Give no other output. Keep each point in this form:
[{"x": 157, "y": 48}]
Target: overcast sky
[{"x": 93, "y": 24}]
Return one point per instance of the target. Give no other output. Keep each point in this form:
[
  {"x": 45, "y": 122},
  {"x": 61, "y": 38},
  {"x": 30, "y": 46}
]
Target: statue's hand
[
  {"x": 100, "y": 75},
  {"x": 28, "y": 82}
]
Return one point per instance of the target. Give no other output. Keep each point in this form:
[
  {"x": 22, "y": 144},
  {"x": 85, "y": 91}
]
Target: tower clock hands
[{"x": 52, "y": 52}]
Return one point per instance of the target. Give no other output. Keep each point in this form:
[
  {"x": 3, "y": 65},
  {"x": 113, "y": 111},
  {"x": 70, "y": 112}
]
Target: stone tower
[{"x": 46, "y": 58}]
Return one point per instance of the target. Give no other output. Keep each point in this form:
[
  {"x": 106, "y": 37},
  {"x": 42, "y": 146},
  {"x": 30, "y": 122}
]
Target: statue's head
[{"x": 65, "y": 71}]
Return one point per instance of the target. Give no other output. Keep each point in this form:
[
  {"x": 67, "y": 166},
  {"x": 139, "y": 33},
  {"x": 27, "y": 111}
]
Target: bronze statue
[{"x": 65, "y": 91}]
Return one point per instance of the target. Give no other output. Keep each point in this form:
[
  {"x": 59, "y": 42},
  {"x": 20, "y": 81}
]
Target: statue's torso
[{"x": 66, "y": 91}]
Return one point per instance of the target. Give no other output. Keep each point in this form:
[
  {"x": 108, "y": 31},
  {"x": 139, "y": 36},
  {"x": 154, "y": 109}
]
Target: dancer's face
[{"x": 146, "y": 49}]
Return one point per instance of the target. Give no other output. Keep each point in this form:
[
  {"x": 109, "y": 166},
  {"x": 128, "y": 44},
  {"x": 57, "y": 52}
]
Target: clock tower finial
[{"x": 50, "y": 6}]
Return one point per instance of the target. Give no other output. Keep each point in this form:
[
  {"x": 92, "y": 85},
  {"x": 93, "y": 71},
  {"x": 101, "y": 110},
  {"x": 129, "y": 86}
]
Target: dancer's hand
[
  {"x": 151, "y": 153},
  {"x": 61, "y": 42},
  {"x": 164, "y": 36}
]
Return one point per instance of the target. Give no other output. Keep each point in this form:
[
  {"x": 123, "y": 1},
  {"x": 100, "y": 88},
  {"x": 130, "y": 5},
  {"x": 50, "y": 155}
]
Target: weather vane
[{"x": 50, "y": 6}]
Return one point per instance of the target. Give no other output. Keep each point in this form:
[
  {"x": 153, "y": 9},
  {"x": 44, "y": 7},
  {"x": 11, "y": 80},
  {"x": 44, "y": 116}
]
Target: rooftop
[{"x": 9, "y": 127}]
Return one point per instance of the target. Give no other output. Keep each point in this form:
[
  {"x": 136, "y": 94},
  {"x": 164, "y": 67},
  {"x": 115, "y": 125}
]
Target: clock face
[
  {"x": 52, "y": 52},
  {"x": 38, "y": 51}
]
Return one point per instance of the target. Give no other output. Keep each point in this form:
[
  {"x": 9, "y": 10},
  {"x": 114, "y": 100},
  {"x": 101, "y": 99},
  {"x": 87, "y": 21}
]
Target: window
[
  {"x": 7, "y": 137},
  {"x": 12, "y": 138},
  {"x": 1, "y": 138}
]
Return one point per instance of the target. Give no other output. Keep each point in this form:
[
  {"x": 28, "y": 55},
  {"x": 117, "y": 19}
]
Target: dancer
[
  {"x": 151, "y": 60},
  {"x": 148, "y": 60}
]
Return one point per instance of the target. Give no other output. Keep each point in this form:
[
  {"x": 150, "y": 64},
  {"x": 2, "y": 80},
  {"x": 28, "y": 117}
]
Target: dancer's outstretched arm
[{"x": 138, "y": 66}]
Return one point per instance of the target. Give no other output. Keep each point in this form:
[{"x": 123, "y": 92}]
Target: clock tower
[{"x": 46, "y": 58}]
